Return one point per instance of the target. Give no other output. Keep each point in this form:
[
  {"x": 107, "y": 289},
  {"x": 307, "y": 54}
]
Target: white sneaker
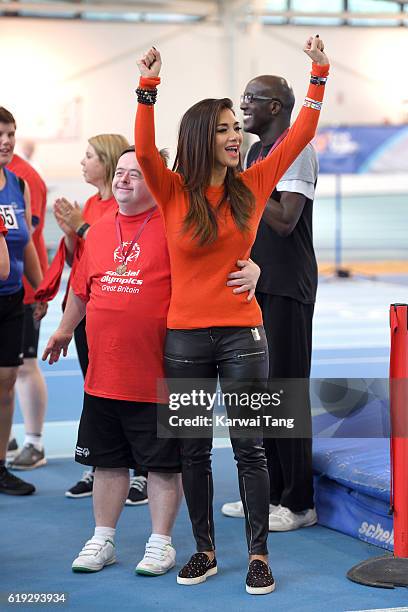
[
  {"x": 233, "y": 509},
  {"x": 236, "y": 509},
  {"x": 94, "y": 556},
  {"x": 284, "y": 519},
  {"x": 158, "y": 559}
]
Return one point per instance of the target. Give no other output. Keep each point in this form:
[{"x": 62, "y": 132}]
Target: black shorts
[
  {"x": 11, "y": 329},
  {"x": 121, "y": 434},
  {"x": 31, "y": 332}
]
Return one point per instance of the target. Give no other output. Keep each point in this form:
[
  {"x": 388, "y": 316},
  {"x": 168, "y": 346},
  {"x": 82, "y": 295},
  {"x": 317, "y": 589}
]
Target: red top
[
  {"x": 94, "y": 209},
  {"x": 207, "y": 302},
  {"x": 38, "y": 193},
  {"x": 125, "y": 313},
  {"x": 3, "y": 229}
]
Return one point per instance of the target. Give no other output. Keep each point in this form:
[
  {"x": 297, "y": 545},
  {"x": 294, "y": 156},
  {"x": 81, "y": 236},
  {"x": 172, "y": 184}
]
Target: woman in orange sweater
[{"x": 211, "y": 213}]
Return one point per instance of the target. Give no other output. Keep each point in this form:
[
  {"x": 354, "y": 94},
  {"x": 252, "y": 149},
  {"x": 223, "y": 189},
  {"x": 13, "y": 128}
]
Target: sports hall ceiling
[{"x": 269, "y": 12}]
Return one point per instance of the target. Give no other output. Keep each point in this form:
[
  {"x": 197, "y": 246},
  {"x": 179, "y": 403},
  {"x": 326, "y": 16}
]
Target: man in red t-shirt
[
  {"x": 123, "y": 284},
  {"x": 31, "y": 387}
]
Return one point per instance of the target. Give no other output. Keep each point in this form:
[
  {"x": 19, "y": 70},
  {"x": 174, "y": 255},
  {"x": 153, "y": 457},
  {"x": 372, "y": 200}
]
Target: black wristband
[
  {"x": 318, "y": 80},
  {"x": 146, "y": 96},
  {"x": 82, "y": 229}
]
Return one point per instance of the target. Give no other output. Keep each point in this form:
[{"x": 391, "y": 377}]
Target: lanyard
[
  {"x": 121, "y": 269},
  {"x": 273, "y": 147}
]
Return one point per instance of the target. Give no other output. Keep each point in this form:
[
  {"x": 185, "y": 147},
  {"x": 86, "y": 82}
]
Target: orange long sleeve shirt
[{"x": 200, "y": 296}]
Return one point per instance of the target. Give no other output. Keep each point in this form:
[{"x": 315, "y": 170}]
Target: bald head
[
  {"x": 273, "y": 86},
  {"x": 268, "y": 101}
]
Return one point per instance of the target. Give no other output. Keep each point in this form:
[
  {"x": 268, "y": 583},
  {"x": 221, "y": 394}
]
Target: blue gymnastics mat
[{"x": 352, "y": 488}]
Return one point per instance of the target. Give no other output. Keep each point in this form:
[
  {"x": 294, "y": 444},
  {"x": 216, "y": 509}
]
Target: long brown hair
[{"x": 195, "y": 160}]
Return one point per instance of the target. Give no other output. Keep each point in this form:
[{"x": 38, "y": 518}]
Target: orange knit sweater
[{"x": 200, "y": 297}]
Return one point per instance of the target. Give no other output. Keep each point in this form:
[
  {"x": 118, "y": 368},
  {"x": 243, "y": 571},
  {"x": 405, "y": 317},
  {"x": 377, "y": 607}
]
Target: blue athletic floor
[{"x": 43, "y": 533}]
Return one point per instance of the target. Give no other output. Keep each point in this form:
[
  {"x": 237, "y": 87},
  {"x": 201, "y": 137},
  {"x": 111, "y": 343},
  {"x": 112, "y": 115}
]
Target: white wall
[{"x": 46, "y": 63}]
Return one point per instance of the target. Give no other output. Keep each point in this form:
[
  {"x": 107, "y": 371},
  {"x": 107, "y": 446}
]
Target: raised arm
[
  {"x": 160, "y": 180},
  {"x": 263, "y": 177}
]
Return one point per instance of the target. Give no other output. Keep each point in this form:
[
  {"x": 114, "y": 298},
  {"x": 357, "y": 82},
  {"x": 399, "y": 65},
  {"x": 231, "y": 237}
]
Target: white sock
[
  {"x": 34, "y": 439},
  {"x": 103, "y": 533},
  {"x": 162, "y": 539}
]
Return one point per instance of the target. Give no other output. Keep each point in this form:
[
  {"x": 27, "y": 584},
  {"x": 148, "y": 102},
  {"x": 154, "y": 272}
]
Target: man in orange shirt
[{"x": 30, "y": 385}]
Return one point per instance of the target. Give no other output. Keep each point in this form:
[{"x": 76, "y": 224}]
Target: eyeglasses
[{"x": 248, "y": 98}]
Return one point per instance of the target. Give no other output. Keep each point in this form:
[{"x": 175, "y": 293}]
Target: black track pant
[
  {"x": 234, "y": 354},
  {"x": 288, "y": 327}
]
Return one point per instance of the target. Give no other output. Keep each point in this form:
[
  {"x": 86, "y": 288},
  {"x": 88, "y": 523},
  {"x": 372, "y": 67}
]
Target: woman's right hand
[
  {"x": 314, "y": 48},
  {"x": 150, "y": 63},
  {"x": 61, "y": 217}
]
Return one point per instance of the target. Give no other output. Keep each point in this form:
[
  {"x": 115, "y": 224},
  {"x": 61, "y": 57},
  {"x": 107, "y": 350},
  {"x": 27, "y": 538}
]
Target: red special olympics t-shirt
[
  {"x": 126, "y": 313},
  {"x": 38, "y": 194}
]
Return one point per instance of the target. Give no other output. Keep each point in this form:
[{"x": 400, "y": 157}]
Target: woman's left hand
[
  {"x": 246, "y": 278},
  {"x": 71, "y": 214}
]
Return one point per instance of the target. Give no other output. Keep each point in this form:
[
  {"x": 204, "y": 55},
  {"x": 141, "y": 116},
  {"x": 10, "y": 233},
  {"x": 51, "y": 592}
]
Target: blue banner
[{"x": 362, "y": 149}]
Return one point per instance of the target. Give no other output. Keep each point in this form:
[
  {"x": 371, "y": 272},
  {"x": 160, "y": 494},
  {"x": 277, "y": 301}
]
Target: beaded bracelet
[
  {"x": 146, "y": 96},
  {"x": 318, "y": 80},
  {"x": 315, "y": 104}
]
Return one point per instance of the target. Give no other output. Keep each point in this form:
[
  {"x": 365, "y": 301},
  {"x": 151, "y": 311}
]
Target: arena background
[{"x": 70, "y": 72}]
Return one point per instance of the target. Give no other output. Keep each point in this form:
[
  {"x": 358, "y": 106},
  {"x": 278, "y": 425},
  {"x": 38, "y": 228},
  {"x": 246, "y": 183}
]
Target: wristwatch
[{"x": 82, "y": 229}]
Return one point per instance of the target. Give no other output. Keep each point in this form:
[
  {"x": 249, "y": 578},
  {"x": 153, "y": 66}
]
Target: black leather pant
[{"x": 232, "y": 354}]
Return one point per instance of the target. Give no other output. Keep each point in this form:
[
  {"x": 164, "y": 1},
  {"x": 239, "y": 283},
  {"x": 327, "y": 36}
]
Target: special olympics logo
[{"x": 133, "y": 255}]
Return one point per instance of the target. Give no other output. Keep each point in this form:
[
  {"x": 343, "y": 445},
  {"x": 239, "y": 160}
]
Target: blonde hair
[{"x": 108, "y": 148}]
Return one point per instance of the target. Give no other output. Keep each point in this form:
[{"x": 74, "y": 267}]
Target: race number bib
[{"x": 9, "y": 216}]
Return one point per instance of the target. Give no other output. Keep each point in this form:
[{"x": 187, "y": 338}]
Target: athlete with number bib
[{"x": 15, "y": 211}]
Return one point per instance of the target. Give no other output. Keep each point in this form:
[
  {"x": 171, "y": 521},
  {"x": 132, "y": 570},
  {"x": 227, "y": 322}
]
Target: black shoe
[
  {"x": 197, "y": 570},
  {"x": 259, "y": 580},
  {"x": 137, "y": 492},
  {"x": 11, "y": 485},
  {"x": 83, "y": 488},
  {"x": 12, "y": 449}
]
